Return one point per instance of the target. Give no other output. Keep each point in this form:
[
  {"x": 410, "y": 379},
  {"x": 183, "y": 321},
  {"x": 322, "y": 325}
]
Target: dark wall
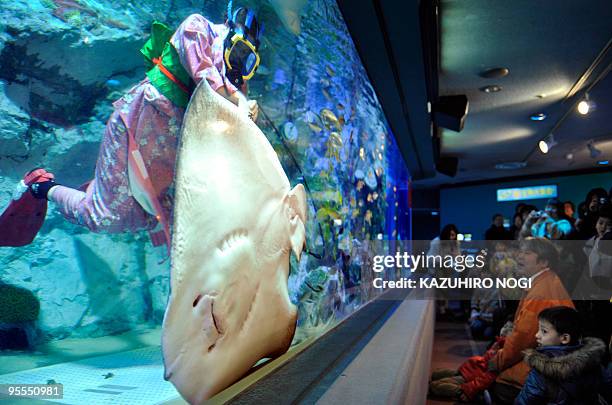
[
  {"x": 472, "y": 207},
  {"x": 425, "y": 214}
]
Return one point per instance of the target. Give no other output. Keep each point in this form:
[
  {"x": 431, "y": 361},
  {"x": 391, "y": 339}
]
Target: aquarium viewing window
[{"x": 526, "y": 193}]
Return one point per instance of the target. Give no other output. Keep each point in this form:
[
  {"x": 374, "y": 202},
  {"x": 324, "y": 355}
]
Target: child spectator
[
  {"x": 600, "y": 264},
  {"x": 563, "y": 371}
]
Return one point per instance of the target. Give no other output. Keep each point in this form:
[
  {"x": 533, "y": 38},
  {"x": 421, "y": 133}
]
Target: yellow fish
[
  {"x": 330, "y": 71},
  {"x": 334, "y": 144},
  {"x": 326, "y": 94},
  {"x": 329, "y": 119},
  {"x": 315, "y": 127}
]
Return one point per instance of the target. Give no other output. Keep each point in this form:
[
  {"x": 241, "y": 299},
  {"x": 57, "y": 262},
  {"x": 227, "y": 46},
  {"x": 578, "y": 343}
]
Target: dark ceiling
[{"x": 556, "y": 52}]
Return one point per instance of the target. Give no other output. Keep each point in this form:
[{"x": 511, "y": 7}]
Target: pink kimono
[{"x": 108, "y": 205}]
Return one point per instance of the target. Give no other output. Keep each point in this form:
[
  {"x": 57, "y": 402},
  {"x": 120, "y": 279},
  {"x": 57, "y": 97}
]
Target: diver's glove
[{"x": 40, "y": 190}]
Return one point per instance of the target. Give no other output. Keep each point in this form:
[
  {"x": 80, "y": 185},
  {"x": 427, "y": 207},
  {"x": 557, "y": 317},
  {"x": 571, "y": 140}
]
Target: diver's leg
[{"x": 106, "y": 205}]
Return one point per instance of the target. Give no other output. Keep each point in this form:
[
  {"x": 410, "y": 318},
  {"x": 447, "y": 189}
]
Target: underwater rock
[
  {"x": 54, "y": 73},
  {"x": 14, "y": 126},
  {"x": 234, "y": 228}
]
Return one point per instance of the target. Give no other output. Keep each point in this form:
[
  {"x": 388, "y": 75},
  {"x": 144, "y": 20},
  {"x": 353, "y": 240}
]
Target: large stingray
[{"x": 236, "y": 220}]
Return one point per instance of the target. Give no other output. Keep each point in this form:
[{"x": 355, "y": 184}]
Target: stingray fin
[{"x": 296, "y": 200}]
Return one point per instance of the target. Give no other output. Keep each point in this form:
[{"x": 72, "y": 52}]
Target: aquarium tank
[{"x": 85, "y": 309}]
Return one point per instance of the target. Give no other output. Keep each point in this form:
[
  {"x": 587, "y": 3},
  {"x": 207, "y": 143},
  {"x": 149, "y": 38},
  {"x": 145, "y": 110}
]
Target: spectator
[
  {"x": 537, "y": 260},
  {"x": 550, "y": 223},
  {"x": 586, "y": 226},
  {"x": 497, "y": 230},
  {"x": 526, "y": 210},
  {"x": 600, "y": 264},
  {"x": 444, "y": 245},
  {"x": 517, "y": 224},
  {"x": 486, "y": 312},
  {"x": 569, "y": 208},
  {"x": 563, "y": 371}
]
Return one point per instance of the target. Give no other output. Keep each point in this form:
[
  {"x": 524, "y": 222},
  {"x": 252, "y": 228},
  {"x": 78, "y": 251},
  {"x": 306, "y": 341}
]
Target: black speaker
[
  {"x": 447, "y": 165},
  {"x": 450, "y": 112}
]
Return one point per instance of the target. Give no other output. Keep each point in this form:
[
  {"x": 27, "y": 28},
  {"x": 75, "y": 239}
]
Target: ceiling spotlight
[
  {"x": 493, "y": 88},
  {"x": 547, "y": 144},
  {"x": 593, "y": 150},
  {"x": 495, "y": 73},
  {"x": 538, "y": 117},
  {"x": 585, "y": 106},
  {"x": 569, "y": 156}
]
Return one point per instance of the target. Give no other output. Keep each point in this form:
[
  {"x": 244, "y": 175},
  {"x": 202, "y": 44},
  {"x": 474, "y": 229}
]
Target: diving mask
[{"x": 241, "y": 59}]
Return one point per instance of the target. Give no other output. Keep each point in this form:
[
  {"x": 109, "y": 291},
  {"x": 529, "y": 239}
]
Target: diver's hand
[
  {"x": 253, "y": 109},
  {"x": 41, "y": 190}
]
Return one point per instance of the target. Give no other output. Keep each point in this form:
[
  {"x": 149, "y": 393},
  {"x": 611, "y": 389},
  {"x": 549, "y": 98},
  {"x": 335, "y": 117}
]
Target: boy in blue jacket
[{"x": 563, "y": 370}]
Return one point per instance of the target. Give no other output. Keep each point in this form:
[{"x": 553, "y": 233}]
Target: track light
[
  {"x": 547, "y": 143},
  {"x": 593, "y": 150},
  {"x": 585, "y": 106}
]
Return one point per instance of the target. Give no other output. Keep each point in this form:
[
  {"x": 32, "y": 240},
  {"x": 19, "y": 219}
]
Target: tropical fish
[
  {"x": 334, "y": 144},
  {"x": 326, "y": 212},
  {"x": 290, "y": 131},
  {"x": 341, "y": 121},
  {"x": 113, "y": 83},
  {"x": 315, "y": 127},
  {"x": 235, "y": 226},
  {"x": 370, "y": 179},
  {"x": 340, "y": 107},
  {"x": 368, "y": 217},
  {"x": 329, "y": 118},
  {"x": 289, "y": 12},
  {"x": 326, "y": 94},
  {"x": 330, "y": 71}
]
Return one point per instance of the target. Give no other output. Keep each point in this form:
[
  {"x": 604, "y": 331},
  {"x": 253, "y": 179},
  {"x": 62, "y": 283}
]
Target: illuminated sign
[{"x": 526, "y": 193}]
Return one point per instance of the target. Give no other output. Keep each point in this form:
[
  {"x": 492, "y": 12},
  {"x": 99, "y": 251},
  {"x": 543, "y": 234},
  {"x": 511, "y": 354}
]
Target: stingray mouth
[{"x": 211, "y": 323}]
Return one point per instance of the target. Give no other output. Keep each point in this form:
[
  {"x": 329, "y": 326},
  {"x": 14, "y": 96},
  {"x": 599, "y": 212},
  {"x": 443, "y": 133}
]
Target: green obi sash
[{"x": 164, "y": 67}]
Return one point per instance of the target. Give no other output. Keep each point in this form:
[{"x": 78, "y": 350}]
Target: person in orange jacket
[{"x": 537, "y": 259}]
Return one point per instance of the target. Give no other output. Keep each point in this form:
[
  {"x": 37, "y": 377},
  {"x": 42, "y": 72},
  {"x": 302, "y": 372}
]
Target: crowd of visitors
[{"x": 549, "y": 342}]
